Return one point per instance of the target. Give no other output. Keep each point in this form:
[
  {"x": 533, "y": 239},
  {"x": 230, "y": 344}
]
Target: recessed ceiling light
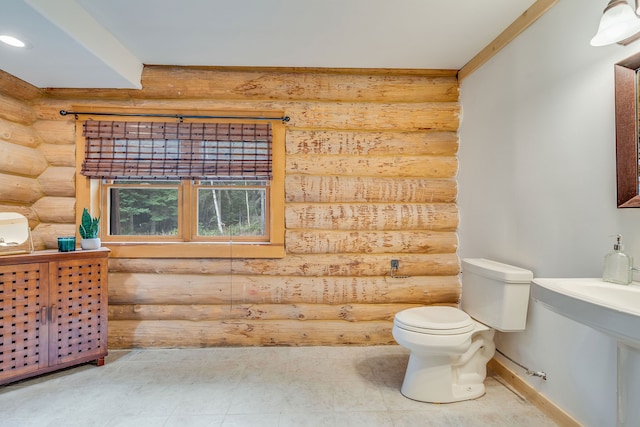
[{"x": 12, "y": 41}]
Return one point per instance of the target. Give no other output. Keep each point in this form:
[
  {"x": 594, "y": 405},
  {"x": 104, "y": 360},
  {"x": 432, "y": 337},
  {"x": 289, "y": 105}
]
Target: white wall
[{"x": 537, "y": 189}]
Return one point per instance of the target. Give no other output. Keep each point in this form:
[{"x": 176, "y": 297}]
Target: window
[
  {"x": 221, "y": 210},
  {"x": 184, "y": 189}
]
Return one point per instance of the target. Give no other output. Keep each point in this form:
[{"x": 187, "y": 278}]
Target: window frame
[
  {"x": 105, "y": 200},
  {"x": 89, "y": 193}
]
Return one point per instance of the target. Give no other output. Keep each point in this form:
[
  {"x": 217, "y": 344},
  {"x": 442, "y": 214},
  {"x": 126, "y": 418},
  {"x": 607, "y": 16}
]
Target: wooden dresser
[{"x": 53, "y": 311}]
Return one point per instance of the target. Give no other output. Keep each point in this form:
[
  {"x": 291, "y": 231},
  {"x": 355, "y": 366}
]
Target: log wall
[
  {"x": 370, "y": 176},
  {"x": 21, "y": 161}
]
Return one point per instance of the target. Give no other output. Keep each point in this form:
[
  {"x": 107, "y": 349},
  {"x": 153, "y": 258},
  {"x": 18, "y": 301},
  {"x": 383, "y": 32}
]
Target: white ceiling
[{"x": 104, "y": 43}]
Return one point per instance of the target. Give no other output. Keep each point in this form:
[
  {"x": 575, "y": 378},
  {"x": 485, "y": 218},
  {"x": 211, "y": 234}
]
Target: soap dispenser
[{"x": 618, "y": 265}]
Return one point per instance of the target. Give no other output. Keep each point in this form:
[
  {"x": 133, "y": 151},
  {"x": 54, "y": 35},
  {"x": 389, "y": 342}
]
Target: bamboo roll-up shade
[{"x": 157, "y": 150}]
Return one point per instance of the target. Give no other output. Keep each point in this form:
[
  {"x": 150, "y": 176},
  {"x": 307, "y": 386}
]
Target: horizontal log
[
  {"x": 12, "y": 86},
  {"x": 200, "y": 312},
  {"x": 59, "y": 155},
  {"x": 395, "y": 242},
  {"x": 19, "y": 160},
  {"x": 183, "y": 82},
  {"x": 403, "y": 117},
  {"x": 56, "y": 209},
  {"x": 371, "y": 143},
  {"x": 47, "y": 234},
  {"x": 428, "y": 116},
  {"x": 56, "y": 131},
  {"x": 15, "y": 110},
  {"x": 299, "y": 84},
  {"x": 18, "y": 189},
  {"x": 58, "y": 181},
  {"x": 332, "y": 189},
  {"x": 17, "y": 133},
  {"x": 171, "y": 288},
  {"x": 374, "y": 166},
  {"x": 200, "y": 82},
  {"x": 372, "y": 216},
  {"x": 183, "y": 333},
  {"x": 296, "y": 265},
  {"x": 49, "y": 108}
]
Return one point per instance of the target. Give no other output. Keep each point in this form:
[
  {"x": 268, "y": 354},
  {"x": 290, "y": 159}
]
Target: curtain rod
[{"x": 174, "y": 116}]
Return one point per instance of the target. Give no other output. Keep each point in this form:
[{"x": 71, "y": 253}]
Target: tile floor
[{"x": 269, "y": 386}]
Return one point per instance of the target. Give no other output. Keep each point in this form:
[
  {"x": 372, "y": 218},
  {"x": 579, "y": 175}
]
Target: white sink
[{"x": 607, "y": 307}]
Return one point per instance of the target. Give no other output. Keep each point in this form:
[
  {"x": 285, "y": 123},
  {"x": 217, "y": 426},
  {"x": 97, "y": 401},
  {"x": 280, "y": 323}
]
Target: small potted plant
[{"x": 89, "y": 228}]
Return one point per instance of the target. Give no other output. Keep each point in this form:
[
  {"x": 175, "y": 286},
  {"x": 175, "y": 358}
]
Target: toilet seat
[{"x": 434, "y": 320}]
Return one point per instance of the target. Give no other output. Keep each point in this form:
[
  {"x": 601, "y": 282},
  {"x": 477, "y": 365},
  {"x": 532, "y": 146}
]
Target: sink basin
[{"x": 607, "y": 307}]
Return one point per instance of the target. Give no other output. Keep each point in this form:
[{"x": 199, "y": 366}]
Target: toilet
[{"x": 449, "y": 348}]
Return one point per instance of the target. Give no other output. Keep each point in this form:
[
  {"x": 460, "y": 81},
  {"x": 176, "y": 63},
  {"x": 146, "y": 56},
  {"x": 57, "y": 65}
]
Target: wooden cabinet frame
[{"x": 53, "y": 311}]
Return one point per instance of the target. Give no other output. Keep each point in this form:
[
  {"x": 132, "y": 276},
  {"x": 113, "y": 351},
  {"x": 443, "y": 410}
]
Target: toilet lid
[{"x": 437, "y": 320}]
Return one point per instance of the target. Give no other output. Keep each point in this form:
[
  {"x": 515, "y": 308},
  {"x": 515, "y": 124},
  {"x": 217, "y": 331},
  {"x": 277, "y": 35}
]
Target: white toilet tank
[{"x": 495, "y": 294}]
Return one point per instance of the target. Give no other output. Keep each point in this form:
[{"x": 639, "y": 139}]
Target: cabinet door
[
  {"x": 78, "y": 294},
  {"x": 23, "y": 315}
]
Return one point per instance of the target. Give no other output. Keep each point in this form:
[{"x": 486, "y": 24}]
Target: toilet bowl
[{"x": 449, "y": 348}]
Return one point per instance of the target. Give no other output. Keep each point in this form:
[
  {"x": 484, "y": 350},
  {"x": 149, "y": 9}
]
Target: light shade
[
  {"x": 12, "y": 41},
  {"x": 619, "y": 22}
]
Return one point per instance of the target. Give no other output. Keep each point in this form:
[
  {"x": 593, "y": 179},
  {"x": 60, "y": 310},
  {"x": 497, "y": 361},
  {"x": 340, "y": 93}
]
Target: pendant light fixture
[{"x": 619, "y": 22}]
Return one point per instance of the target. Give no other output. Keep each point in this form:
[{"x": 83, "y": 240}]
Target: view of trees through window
[
  {"x": 150, "y": 208},
  {"x": 231, "y": 211},
  {"x": 143, "y": 211}
]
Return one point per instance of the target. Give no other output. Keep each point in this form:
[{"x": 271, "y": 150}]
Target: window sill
[{"x": 194, "y": 250}]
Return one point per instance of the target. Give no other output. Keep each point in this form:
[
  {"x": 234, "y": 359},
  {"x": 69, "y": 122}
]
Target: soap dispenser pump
[{"x": 618, "y": 265}]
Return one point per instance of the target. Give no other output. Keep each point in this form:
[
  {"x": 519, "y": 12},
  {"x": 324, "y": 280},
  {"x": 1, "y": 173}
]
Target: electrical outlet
[{"x": 395, "y": 264}]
